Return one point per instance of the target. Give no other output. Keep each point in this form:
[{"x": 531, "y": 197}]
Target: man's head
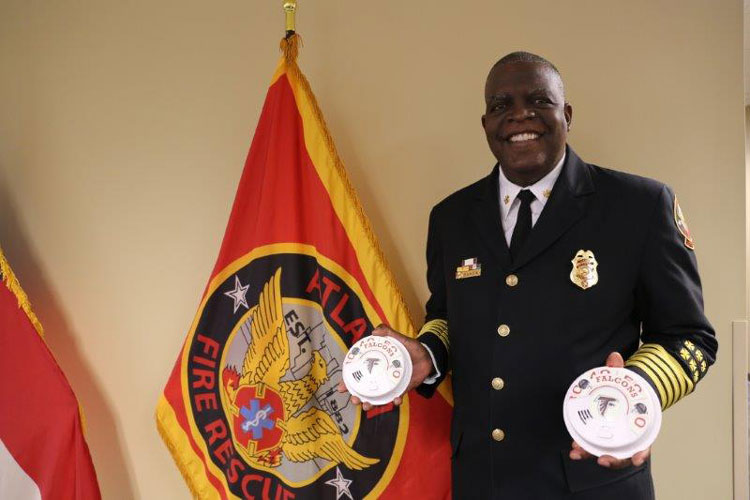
[{"x": 526, "y": 118}]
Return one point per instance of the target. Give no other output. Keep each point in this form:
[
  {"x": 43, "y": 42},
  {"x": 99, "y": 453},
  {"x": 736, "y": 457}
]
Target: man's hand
[
  {"x": 420, "y": 360},
  {"x": 577, "y": 453}
]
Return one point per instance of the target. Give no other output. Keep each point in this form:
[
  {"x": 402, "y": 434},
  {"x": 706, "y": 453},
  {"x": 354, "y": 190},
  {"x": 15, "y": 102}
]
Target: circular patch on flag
[
  {"x": 612, "y": 411},
  {"x": 260, "y": 371}
]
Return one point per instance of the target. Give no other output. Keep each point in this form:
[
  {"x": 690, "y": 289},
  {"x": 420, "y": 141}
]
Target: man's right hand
[{"x": 420, "y": 360}]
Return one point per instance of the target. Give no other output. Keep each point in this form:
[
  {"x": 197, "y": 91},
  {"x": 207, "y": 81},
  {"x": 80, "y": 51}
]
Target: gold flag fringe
[
  {"x": 14, "y": 286},
  {"x": 183, "y": 462},
  {"x": 290, "y": 48}
]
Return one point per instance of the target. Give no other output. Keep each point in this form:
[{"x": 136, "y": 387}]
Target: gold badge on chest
[{"x": 584, "y": 274}]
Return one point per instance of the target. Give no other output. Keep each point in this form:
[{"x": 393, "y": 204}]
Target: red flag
[
  {"x": 43, "y": 453},
  {"x": 251, "y": 408}
]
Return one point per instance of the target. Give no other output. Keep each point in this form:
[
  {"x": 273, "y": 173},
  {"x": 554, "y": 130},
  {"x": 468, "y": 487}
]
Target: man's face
[{"x": 526, "y": 120}]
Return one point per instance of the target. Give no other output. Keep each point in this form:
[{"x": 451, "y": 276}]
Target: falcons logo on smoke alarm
[
  {"x": 605, "y": 403},
  {"x": 371, "y": 362}
]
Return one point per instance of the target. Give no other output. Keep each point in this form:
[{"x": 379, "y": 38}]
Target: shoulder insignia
[{"x": 682, "y": 226}]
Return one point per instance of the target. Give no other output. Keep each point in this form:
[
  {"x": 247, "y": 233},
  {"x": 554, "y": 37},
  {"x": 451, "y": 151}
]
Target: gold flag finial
[{"x": 290, "y": 7}]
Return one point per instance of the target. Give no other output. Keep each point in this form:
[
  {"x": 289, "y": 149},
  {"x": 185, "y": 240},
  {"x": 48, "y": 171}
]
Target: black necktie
[{"x": 523, "y": 223}]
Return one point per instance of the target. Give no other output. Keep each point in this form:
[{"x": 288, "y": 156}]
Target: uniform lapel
[
  {"x": 565, "y": 206},
  {"x": 486, "y": 216}
]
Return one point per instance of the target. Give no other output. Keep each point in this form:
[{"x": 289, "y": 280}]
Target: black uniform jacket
[{"x": 516, "y": 334}]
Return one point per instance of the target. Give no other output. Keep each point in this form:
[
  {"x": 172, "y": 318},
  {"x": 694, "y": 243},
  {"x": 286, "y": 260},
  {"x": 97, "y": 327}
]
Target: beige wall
[
  {"x": 124, "y": 127},
  {"x": 747, "y": 213}
]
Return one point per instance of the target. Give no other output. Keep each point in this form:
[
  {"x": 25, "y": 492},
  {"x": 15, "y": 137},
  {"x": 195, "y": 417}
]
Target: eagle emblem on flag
[{"x": 268, "y": 420}]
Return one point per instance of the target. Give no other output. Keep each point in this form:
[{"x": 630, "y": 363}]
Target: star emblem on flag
[
  {"x": 239, "y": 294},
  {"x": 341, "y": 484}
]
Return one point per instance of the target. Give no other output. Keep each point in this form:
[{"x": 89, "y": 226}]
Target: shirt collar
[{"x": 541, "y": 188}]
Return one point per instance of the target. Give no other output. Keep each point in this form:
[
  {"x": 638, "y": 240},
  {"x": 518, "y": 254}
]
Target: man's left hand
[{"x": 577, "y": 453}]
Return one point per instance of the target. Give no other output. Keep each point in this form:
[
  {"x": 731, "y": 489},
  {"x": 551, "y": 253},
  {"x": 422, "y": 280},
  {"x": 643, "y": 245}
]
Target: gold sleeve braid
[
  {"x": 438, "y": 327},
  {"x": 667, "y": 375}
]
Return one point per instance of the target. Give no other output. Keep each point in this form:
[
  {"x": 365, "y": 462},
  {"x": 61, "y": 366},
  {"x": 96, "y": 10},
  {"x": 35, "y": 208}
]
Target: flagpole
[{"x": 290, "y": 7}]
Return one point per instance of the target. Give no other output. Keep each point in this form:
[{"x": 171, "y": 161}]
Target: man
[{"x": 544, "y": 269}]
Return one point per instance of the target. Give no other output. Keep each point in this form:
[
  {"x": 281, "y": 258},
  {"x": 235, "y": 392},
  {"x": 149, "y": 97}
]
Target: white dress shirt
[{"x": 509, "y": 204}]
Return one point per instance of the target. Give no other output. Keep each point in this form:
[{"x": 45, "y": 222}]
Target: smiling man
[
  {"x": 527, "y": 119},
  {"x": 546, "y": 268}
]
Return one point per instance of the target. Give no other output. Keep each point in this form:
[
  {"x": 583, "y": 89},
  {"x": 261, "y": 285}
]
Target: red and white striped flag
[{"x": 43, "y": 453}]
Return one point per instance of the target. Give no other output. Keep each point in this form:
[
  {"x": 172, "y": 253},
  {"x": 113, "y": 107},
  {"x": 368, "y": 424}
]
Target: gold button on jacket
[{"x": 498, "y": 435}]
